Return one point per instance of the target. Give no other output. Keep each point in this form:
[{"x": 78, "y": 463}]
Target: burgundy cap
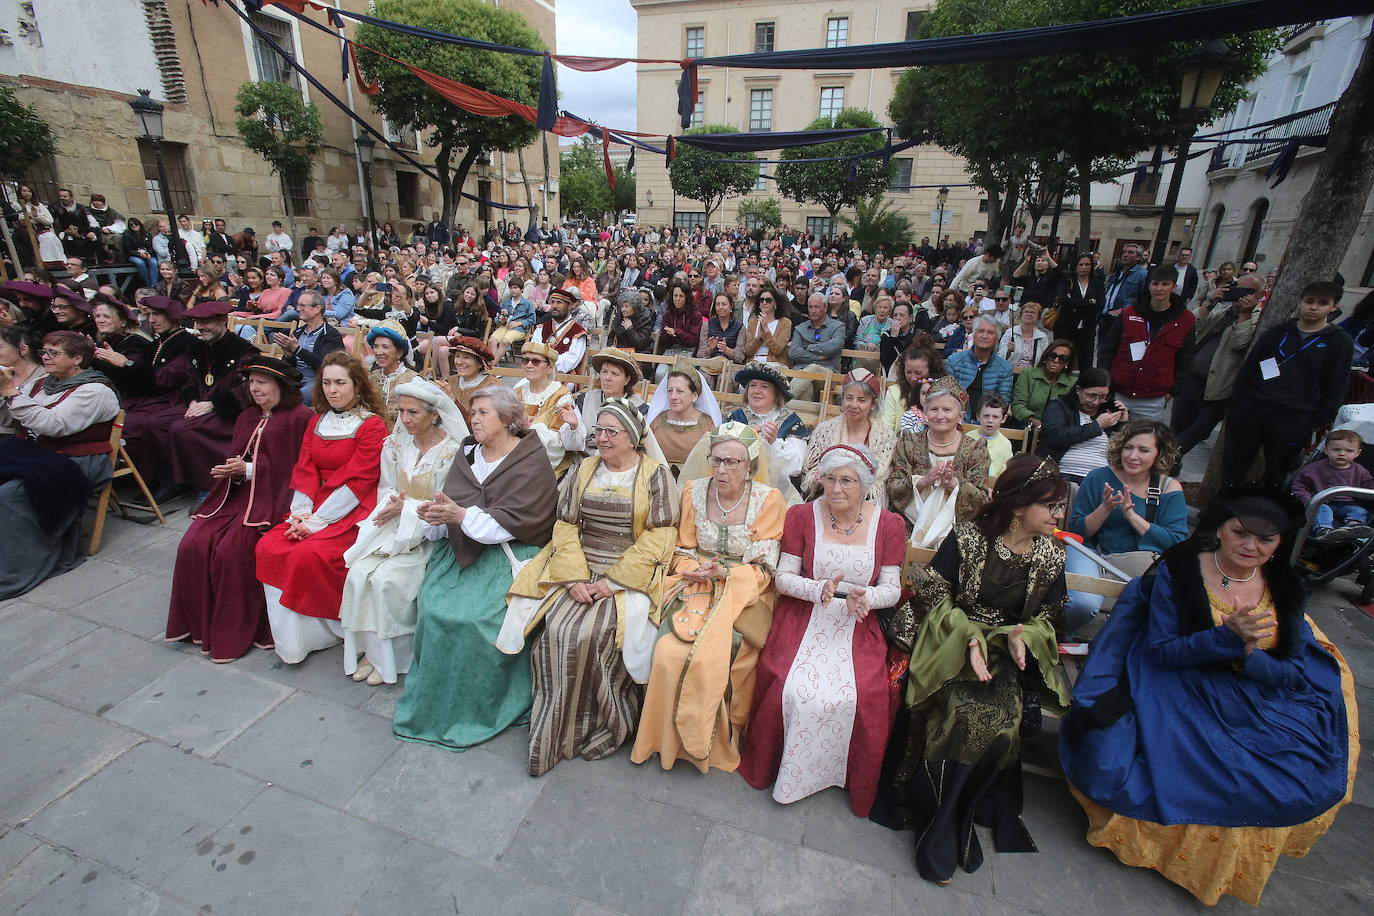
[
  {"x": 210, "y": 308},
  {"x": 173, "y": 307}
]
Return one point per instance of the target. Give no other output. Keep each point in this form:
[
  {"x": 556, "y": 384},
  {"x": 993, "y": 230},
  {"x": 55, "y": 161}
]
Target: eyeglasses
[
  {"x": 844, "y": 483},
  {"x": 1053, "y": 508},
  {"x": 610, "y": 432},
  {"x": 718, "y": 461},
  {"x": 767, "y": 299},
  {"x": 52, "y": 354},
  {"x": 533, "y": 361}
]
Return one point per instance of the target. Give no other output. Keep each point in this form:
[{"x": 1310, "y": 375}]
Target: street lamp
[
  {"x": 940, "y": 223},
  {"x": 149, "y": 114},
  {"x": 1202, "y": 71},
  {"x": 367, "y": 148}
]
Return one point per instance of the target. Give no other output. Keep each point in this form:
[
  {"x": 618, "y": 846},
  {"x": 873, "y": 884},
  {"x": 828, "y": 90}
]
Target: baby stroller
[{"x": 1320, "y": 562}]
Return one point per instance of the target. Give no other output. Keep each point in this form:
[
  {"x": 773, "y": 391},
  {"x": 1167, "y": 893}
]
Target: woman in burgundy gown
[
  {"x": 334, "y": 486},
  {"x": 217, "y": 601}
]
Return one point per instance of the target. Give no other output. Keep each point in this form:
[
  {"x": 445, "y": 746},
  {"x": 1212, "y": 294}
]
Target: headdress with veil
[
  {"x": 696, "y": 466},
  {"x": 705, "y": 402},
  {"x": 450, "y": 417}
]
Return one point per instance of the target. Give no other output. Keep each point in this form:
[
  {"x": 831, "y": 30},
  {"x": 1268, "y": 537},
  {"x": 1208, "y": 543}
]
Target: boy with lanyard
[{"x": 1293, "y": 381}]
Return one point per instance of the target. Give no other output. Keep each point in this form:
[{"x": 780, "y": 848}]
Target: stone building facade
[{"x": 80, "y": 63}]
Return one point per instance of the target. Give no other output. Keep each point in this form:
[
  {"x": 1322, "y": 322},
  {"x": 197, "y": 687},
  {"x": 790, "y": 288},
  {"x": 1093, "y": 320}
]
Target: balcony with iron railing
[{"x": 1312, "y": 123}]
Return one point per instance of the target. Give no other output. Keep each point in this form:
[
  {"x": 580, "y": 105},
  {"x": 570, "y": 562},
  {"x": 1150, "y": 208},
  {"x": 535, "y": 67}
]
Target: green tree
[
  {"x": 696, "y": 178},
  {"x": 281, "y": 127},
  {"x": 410, "y": 104},
  {"x": 1008, "y": 119},
  {"x": 827, "y": 183},
  {"x": 876, "y": 223},
  {"x": 623, "y": 194},
  {"x": 25, "y": 137},
  {"x": 765, "y": 212},
  {"x": 582, "y": 184}
]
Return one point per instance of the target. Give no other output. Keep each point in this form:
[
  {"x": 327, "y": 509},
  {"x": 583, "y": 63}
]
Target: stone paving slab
[
  {"x": 48, "y": 749},
  {"x": 142, "y": 778},
  {"x": 167, "y": 802},
  {"x": 198, "y": 706}
]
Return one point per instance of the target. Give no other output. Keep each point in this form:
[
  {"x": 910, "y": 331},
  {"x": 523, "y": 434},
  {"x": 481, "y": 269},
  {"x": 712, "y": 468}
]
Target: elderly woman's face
[
  {"x": 680, "y": 395},
  {"x": 58, "y": 362},
  {"x": 485, "y": 421},
  {"x": 1241, "y": 548},
  {"x": 612, "y": 439},
  {"x": 942, "y": 413},
  {"x": 843, "y": 488},
  {"x": 264, "y": 392},
  {"x": 730, "y": 462},
  {"x": 414, "y": 414},
  {"x": 761, "y": 395},
  {"x": 536, "y": 367},
  {"x": 612, "y": 379},
  {"x": 1040, "y": 518}
]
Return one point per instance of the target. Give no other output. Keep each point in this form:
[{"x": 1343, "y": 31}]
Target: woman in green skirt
[{"x": 495, "y": 512}]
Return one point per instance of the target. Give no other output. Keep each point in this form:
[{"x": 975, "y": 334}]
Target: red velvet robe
[
  {"x": 311, "y": 572},
  {"x": 217, "y": 601}
]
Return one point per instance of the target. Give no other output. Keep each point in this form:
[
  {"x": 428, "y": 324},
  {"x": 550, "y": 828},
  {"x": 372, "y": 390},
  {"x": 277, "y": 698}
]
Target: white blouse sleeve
[
  {"x": 484, "y": 529},
  {"x": 335, "y": 506},
  {"x": 888, "y": 591},
  {"x": 791, "y": 582}
]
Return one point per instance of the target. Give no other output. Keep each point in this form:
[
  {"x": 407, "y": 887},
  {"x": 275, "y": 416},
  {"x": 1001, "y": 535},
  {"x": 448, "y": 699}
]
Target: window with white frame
[
  {"x": 699, "y": 110},
  {"x": 764, "y": 34},
  {"x": 1299, "y": 81},
  {"x": 760, "y": 109},
  {"x": 696, "y": 41},
  {"x": 761, "y": 182},
  {"x": 272, "y": 67},
  {"x": 832, "y": 100},
  {"x": 901, "y": 175},
  {"x": 820, "y": 226},
  {"x": 837, "y": 32}
]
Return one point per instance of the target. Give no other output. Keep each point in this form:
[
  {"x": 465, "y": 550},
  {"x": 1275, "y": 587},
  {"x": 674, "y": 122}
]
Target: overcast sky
[{"x": 598, "y": 28}]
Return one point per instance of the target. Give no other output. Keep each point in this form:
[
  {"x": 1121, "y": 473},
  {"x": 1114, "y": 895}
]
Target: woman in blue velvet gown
[{"x": 1214, "y": 727}]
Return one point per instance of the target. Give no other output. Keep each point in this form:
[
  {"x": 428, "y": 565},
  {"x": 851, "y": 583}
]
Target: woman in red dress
[
  {"x": 334, "y": 484},
  {"x": 217, "y": 601}
]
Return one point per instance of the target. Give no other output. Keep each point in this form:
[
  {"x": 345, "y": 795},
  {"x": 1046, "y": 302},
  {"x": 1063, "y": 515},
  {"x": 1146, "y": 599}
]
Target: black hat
[
  {"x": 766, "y": 373},
  {"x": 276, "y": 368}
]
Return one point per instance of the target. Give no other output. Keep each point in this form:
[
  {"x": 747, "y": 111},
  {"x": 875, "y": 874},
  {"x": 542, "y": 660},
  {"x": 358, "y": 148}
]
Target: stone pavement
[{"x": 141, "y": 778}]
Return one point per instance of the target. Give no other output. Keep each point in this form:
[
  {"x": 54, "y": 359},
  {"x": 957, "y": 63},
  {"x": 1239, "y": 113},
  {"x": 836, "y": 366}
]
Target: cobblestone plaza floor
[{"x": 141, "y": 778}]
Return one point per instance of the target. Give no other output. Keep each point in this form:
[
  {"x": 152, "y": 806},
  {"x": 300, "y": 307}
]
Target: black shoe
[{"x": 170, "y": 491}]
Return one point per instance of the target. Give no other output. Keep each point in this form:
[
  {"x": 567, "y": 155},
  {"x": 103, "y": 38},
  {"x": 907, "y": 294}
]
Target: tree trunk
[
  {"x": 457, "y": 180},
  {"x": 525, "y": 179},
  {"x": 441, "y": 165},
  {"x": 290, "y": 210},
  {"x": 1085, "y": 206},
  {"x": 1329, "y": 217},
  {"x": 994, "y": 214}
]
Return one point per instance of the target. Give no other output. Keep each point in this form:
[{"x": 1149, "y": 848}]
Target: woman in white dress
[
  {"x": 823, "y": 700},
  {"x": 39, "y": 218},
  {"x": 386, "y": 564},
  {"x": 938, "y": 476}
]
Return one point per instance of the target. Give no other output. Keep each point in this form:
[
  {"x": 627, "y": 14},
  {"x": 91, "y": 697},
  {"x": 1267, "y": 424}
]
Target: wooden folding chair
[{"x": 121, "y": 467}]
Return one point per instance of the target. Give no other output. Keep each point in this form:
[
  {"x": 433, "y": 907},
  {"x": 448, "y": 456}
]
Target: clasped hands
[
  {"x": 440, "y": 511},
  {"x": 711, "y": 569},
  {"x": 1250, "y": 625},
  {"x": 943, "y": 475},
  {"x": 233, "y": 468},
  {"x": 590, "y": 592},
  {"x": 1015, "y": 644}
]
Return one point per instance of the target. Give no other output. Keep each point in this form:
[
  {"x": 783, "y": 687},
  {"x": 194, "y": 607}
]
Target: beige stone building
[
  {"x": 80, "y": 62},
  {"x": 764, "y": 100}
]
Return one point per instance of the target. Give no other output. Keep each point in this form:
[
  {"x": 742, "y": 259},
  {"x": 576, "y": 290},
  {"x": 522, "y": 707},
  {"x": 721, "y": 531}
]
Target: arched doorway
[
  {"x": 1218, "y": 215},
  {"x": 1258, "y": 211}
]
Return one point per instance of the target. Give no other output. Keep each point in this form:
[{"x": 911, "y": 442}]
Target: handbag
[{"x": 1050, "y": 318}]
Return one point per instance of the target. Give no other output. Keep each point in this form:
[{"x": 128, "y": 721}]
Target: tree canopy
[
  {"x": 281, "y": 127},
  {"x": 692, "y": 176},
  {"x": 1010, "y": 119},
  {"x": 764, "y": 212},
  {"x": 828, "y": 183},
  {"x": 878, "y": 226},
  {"x": 582, "y": 183},
  {"x": 25, "y": 137},
  {"x": 409, "y": 104}
]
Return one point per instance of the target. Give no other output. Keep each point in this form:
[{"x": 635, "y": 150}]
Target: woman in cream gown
[{"x": 387, "y": 562}]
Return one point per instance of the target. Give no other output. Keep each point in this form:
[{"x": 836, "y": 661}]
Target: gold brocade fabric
[
  {"x": 1221, "y": 608},
  {"x": 1210, "y": 862}
]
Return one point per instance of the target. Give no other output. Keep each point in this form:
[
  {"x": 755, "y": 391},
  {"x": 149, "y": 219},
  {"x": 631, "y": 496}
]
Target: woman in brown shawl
[
  {"x": 596, "y": 588},
  {"x": 496, "y": 510}
]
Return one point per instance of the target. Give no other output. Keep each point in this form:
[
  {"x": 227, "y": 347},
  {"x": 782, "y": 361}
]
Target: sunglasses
[
  {"x": 1057, "y": 357},
  {"x": 533, "y": 361}
]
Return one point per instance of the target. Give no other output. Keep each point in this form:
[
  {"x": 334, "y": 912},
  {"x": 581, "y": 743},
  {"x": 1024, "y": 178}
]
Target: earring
[{"x": 1015, "y": 525}]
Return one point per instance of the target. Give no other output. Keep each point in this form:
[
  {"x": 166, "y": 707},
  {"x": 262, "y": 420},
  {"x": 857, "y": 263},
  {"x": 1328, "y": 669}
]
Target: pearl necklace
[
  {"x": 1227, "y": 580},
  {"x": 724, "y": 512},
  {"x": 942, "y": 445}
]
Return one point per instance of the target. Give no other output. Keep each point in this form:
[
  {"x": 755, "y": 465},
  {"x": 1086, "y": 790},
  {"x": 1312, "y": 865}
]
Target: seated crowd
[{"x": 874, "y": 601}]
